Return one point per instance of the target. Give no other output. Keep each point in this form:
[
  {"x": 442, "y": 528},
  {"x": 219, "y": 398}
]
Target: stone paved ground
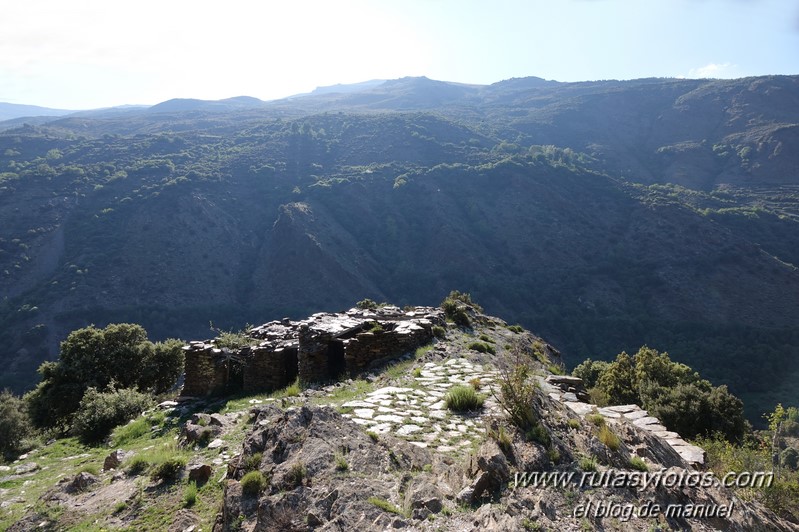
[{"x": 417, "y": 413}]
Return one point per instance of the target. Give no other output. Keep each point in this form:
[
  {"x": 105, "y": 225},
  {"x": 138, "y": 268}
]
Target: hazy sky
[{"x": 95, "y": 53}]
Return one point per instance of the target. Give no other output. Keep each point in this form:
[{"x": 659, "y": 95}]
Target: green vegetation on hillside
[{"x": 670, "y": 391}]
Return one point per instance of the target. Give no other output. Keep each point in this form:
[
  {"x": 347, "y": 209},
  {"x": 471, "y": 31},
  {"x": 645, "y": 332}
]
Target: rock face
[
  {"x": 388, "y": 483},
  {"x": 320, "y": 348}
]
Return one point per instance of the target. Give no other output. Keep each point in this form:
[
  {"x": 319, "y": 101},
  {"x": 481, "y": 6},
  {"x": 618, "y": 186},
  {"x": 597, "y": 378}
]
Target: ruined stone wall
[
  {"x": 374, "y": 347},
  {"x": 312, "y": 355},
  {"x": 203, "y": 376},
  {"x": 270, "y": 369}
]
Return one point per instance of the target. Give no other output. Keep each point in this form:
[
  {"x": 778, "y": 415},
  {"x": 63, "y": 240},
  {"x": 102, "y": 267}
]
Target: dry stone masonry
[{"x": 323, "y": 347}]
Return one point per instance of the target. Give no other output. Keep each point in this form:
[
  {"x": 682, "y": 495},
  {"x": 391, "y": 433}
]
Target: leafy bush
[
  {"x": 455, "y": 305},
  {"x": 14, "y": 424},
  {"x": 99, "y": 412},
  {"x": 366, "y": 304},
  {"x": 95, "y": 358},
  {"x": 253, "y": 483},
  {"x": 462, "y": 398},
  {"x": 670, "y": 391}
]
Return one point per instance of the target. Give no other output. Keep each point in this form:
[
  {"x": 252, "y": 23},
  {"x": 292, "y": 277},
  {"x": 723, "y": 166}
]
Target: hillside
[
  {"x": 386, "y": 447},
  {"x": 604, "y": 215}
]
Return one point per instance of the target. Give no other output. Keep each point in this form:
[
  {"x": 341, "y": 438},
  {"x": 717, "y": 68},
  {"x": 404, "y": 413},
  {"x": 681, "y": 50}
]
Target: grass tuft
[{"x": 463, "y": 398}]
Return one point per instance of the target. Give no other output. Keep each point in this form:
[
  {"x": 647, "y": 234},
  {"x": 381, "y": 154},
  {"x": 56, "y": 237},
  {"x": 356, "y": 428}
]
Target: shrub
[
  {"x": 439, "y": 332},
  {"x": 14, "y": 424},
  {"x": 485, "y": 338},
  {"x": 253, "y": 461},
  {"x": 517, "y": 389},
  {"x": 366, "y": 304},
  {"x": 136, "y": 465},
  {"x": 573, "y": 423},
  {"x": 169, "y": 469},
  {"x": 638, "y": 463},
  {"x": 455, "y": 306},
  {"x": 538, "y": 433},
  {"x": 341, "y": 462},
  {"x": 587, "y": 463},
  {"x": 95, "y": 358},
  {"x": 253, "y": 483},
  {"x": 596, "y": 419},
  {"x": 481, "y": 347},
  {"x": 373, "y": 435},
  {"x": 462, "y": 398},
  {"x": 502, "y": 437},
  {"x": 296, "y": 473},
  {"x": 515, "y": 328},
  {"x": 99, "y": 412},
  {"x": 609, "y": 438}
]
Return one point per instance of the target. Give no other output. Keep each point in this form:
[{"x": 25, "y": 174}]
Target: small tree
[
  {"x": 14, "y": 424},
  {"x": 100, "y": 412}
]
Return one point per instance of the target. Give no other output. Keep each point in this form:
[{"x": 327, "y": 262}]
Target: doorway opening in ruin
[{"x": 335, "y": 359}]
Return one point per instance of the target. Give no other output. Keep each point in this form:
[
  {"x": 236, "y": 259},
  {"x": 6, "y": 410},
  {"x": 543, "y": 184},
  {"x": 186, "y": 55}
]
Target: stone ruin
[{"x": 321, "y": 348}]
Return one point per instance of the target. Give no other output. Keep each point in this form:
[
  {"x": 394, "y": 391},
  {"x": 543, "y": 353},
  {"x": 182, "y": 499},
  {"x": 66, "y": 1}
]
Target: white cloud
[{"x": 712, "y": 70}]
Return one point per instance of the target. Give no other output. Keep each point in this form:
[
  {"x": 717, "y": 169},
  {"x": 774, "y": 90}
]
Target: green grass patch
[
  {"x": 609, "y": 438},
  {"x": 573, "y": 423},
  {"x": 341, "y": 462},
  {"x": 515, "y": 328},
  {"x": 385, "y": 505},
  {"x": 596, "y": 419},
  {"x": 482, "y": 347},
  {"x": 463, "y": 398},
  {"x": 587, "y": 463},
  {"x": 637, "y": 463},
  {"x": 190, "y": 494}
]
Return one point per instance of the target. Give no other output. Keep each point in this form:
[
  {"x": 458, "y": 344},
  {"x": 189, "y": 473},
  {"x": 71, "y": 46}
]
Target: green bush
[
  {"x": 253, "y": 483},
  {"x": 169, "y": 469},
  {"x": 439, "y": 332},
  {"x": 515, "y": 328},
  {"x": 100, "y": 412},
  {"x": 587, "y": 463},
  {"x": 462, "y": 398},
  {"x": 14, "y": 424},
  {"x": 481, "y": 347},
  {"x": 455, "y": 308},
  {"x": 296, "y": 474},
  {"x": 119, "y": 354},
  {"x": 136, "y": 465},
  {"x": 538, "y": 433}
]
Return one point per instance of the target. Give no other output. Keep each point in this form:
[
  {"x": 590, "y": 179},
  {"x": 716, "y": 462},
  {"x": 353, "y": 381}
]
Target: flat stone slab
[
  {"x": 389, "y": 390},
  {"x": 364, "y": 413},
  {"x": 408, "y": 429},
  {"x": 580, "y": 409},
  {"x": 622, "y": 409},
  {"x": 642, "y": 422},
  {"x": 637, "y": 414},
  {"x": 393, "y": 418},
  {"x": 358, "y": 404}
]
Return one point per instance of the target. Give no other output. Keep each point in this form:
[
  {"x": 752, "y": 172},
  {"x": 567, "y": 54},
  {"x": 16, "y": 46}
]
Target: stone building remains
[{"x": 321, "y": 348}]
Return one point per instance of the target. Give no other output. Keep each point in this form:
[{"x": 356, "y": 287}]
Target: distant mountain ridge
[
  {"x": 9, "y": 111},
  {"x": 603, "y": 214}
]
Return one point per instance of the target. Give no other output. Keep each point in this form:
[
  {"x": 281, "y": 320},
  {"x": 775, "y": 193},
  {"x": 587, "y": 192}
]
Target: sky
[{"x": 86, "y": 54}]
